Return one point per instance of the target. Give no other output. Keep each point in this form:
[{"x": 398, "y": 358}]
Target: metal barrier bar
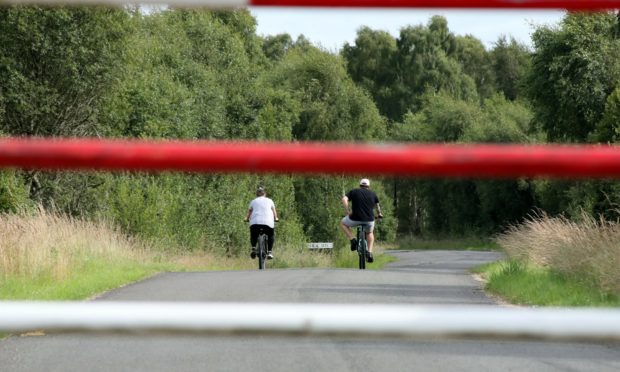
[
  {"x": 508, "y": 4},
  {"x": 457, "y": 4},
  {"x": 479, "y": 161},
  {"x": 312, "y": 319}
]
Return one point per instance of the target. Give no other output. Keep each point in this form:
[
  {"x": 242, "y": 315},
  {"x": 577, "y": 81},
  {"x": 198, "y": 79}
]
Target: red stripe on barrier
[
  {"x": 523, "y": 4},
  {"x": 481, "y": 161}
]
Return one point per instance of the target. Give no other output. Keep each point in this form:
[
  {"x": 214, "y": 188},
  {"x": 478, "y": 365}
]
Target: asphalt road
[{"x": 435, "y": 277}]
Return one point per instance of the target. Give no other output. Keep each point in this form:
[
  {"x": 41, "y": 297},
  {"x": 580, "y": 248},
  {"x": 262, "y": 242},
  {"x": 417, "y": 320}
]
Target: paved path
[{"x": 434, "y": 277}]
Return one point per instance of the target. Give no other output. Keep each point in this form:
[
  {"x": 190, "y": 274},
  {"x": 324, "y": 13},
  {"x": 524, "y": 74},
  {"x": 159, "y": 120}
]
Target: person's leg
[
  {"x": 253, "y": 235},
  {"x": 370, "y": 237},
  {"x": 346, "y": 223},
  {"x": 346, "y": 229},
  {"x": 254, "y": 238},
  {"x": 271, "y": 237}
]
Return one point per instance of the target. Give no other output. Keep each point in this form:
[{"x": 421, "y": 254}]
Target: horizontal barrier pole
[
  {"x": 312, "y": 319},
  {"x": 506, "y": 4},
  {"x": 457, "y": 4},
  {"x": 456, "y": 161}
]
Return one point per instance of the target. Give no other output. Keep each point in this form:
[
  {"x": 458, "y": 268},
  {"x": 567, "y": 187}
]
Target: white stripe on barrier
[{"x": 313, "y": 319}]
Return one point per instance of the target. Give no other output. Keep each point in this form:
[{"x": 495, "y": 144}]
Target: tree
[
  {"x": 370, "y": 63},
  {"x": 332, "y": 106},
  {"x": 510, "y": 61},
  {"x": 56, "y": 65},
  {"x": 608, "y": 128},
  {"x": 502, "y": 121},
  {"x": 275, "y": 47},
  {"x": 442, "y": 118},
  {"x": 574, "y": 69},
  {"x": 476, "y": 62},
  {"x": 399, "y": 72},
  {"x": 426, "y": 64},
  {"x": 167, "y": 89}
]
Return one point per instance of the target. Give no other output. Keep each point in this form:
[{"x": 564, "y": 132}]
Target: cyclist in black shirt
[{"x": 363, "y": 202}]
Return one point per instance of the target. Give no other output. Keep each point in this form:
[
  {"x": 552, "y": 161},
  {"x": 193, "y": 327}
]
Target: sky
[{"x": 332, "y": 28}]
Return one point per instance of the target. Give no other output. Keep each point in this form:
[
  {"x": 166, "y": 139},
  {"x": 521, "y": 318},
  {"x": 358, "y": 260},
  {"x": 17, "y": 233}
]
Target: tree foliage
[
  {"x": 510, "y": 62},
  {"x": 56, "y": 65},
  {"x": 197, "y": 74},
  {"x": 574, "y": 69}
]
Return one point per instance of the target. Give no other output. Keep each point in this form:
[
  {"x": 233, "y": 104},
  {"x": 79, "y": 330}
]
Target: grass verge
[
  {"x": 526, "y": 284},
  {"x": 95, "y": 277}
]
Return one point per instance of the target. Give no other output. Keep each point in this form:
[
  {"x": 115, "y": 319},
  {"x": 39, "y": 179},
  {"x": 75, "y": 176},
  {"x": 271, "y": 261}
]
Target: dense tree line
[
  {"x": 433, "y": 86},
  {"x": 201, "y": 75}
]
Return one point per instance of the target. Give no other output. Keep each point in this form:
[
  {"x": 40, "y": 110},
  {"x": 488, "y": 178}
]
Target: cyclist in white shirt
[{"x": 262, "y": 215}]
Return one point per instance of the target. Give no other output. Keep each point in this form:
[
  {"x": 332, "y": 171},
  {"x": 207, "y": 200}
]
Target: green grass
[
  {"x": 92, "y": 278},
  {"x": 96, "y": 276},
  {"x": 519, "y": 283},
  {"x": 463, "y": 244}
]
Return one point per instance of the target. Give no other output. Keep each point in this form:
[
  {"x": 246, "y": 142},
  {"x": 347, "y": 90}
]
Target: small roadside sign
[{"x": 320, "y": 245}]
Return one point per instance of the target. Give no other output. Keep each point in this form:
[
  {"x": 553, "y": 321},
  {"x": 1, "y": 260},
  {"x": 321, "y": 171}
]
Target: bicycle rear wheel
[
  {"x": 262, "y": 251},
  {"x": 361, "y": 249},
  {"x": 362, "y": 261}
]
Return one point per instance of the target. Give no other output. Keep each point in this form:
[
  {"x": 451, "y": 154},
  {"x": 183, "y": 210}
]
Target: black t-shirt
[{"x": 364, "y": 202}]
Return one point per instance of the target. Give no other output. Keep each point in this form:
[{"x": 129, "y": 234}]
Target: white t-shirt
[{"x": 262, "y": 214}]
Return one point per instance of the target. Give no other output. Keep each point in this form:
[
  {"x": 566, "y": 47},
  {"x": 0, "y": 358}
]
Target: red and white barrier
[
  {"x": 509, "y": 4},
  {"x": 454, "y": 161},
  {"x": 455, "y": 4}
]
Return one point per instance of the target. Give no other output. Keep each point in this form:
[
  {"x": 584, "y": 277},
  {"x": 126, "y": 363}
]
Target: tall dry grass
[
  {"x": 52, "y": 246},
  {"x": 588, "y": 250},
  {"x": 49, "y": 244}
]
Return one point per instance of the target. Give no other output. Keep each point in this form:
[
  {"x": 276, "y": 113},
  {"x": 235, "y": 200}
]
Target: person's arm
[
  {"x": 247, "y": 217},
  {"x": 275, "y": 213},
  {"x": 378, "y": 207},
  {"x": 379, "y": 214},
  {"x": 345, "y": 204}
]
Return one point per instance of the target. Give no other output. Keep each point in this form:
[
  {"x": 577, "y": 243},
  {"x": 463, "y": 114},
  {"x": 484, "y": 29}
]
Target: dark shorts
[{"x": 255, "y": 230}]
